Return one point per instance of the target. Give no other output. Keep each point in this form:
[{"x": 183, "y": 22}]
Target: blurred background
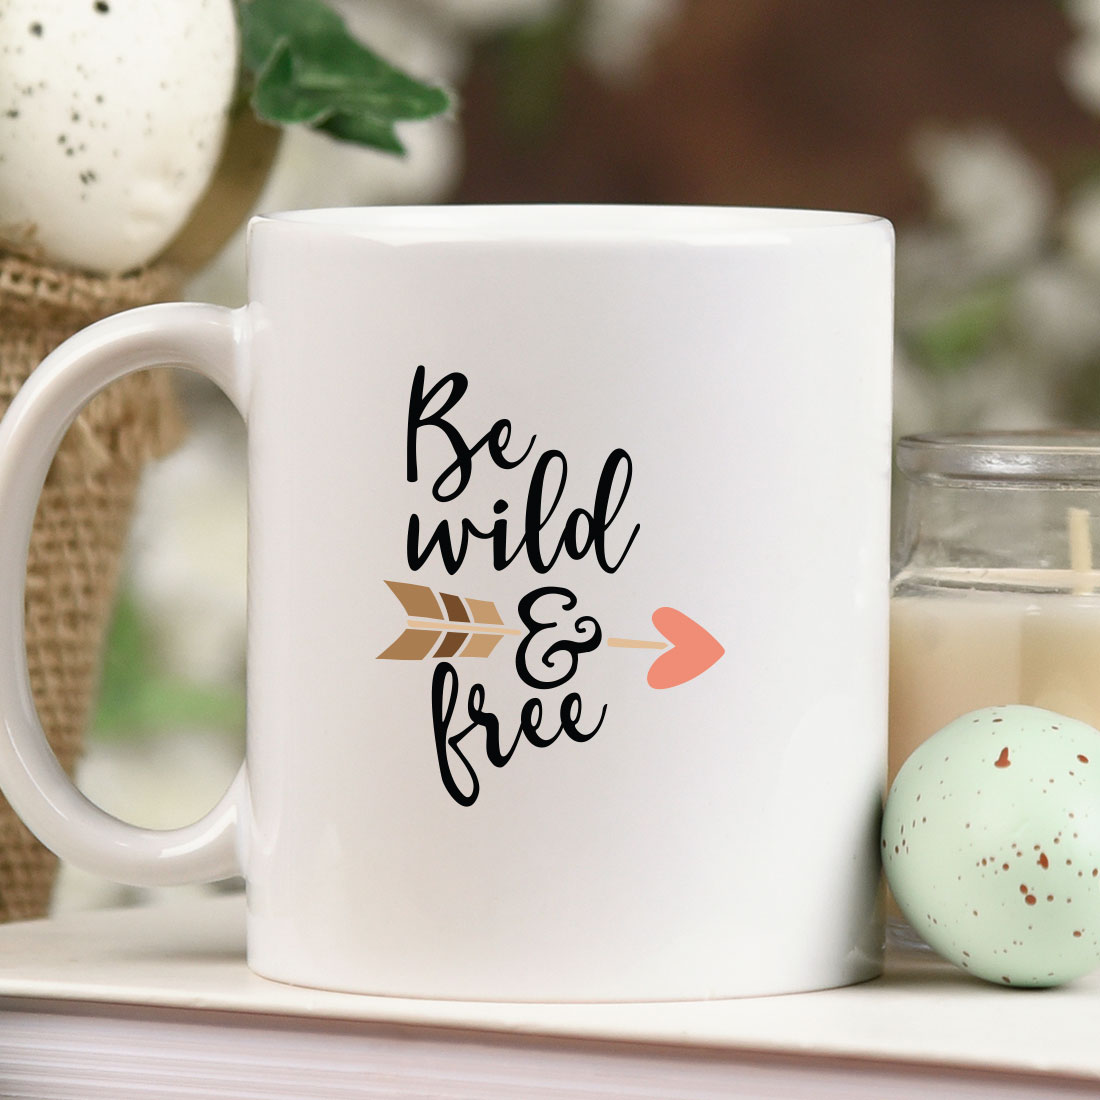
[{"x": 972, "y": 126}]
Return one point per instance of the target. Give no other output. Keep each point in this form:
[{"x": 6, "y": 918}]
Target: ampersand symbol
[{"x": 541, "y": 662}]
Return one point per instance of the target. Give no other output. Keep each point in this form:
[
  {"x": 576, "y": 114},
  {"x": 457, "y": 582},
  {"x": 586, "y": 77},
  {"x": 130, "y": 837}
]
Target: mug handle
[{"x": 206, "y": 338}]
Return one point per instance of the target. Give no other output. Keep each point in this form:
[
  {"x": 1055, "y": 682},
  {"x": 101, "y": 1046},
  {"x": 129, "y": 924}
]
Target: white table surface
[{"x": 191, "y": 956}]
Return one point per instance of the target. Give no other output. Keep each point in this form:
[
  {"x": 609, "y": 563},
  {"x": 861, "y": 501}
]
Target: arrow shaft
[
  {"x": 489, "y": 628},
  {"x": 466, "y": 628}
]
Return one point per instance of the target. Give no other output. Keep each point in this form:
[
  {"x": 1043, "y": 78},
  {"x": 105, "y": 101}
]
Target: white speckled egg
[
  {"x": 112, "y": 114},
  {"x": 991, "y": 845}
]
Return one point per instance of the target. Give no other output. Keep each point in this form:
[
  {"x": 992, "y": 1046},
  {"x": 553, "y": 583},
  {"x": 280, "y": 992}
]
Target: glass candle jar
[{"x": 994, "y": 598}]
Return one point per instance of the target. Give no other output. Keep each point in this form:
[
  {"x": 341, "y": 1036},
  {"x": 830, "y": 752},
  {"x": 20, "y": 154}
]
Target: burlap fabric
[{"x": 81, "y": 525}]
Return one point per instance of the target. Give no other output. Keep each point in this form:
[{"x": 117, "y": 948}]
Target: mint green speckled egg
[{"x": 991, "y": 845}]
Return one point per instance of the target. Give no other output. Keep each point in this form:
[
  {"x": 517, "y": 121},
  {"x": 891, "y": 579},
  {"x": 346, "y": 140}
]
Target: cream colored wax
[{"x": 955, "y": 651}]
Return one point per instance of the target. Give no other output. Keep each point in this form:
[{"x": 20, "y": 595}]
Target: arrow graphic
[{"x": 443, "y": 625}]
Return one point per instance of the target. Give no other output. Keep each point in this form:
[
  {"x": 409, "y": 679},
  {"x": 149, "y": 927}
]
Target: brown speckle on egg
[{"x": 1032, "y": 758}]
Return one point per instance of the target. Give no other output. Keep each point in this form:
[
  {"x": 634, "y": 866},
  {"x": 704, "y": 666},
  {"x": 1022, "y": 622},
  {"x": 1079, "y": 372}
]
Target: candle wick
[{"x": 1080, "y": 549}]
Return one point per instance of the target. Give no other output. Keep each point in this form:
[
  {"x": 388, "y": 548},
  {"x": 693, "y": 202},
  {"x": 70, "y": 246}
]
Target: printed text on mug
[{"x": 544, "y": 658}]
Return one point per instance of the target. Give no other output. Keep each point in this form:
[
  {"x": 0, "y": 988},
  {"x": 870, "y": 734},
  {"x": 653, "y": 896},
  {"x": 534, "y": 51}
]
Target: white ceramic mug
[{"x": 567, "y": 599}]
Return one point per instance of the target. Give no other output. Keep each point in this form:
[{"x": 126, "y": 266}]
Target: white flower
[
  {"x": 188, "y": 554},
  {"x": 1081, "y": 70},
  {"x": 1081, "y": 229},
  {"x": 934, "y": 267},
  {"x": 985, "y": 190},
  {"x": 1055, "y": 312},
  {"x": 312, "y": 169},
  {"x": 409, "y": 35},
  {"x": 618, "y": 34},
  {"x": 478, "y": 16},
  {"x": 1085, "y": 13},
  {"x": 1081, "y": 64},
  {"x": 1003, "y": 392},
  {"x": 915, "y": 405}
]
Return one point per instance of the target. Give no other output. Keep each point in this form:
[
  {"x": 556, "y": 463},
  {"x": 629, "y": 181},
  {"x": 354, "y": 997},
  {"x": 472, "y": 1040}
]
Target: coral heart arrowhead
[{"x": 693, "y": 650}]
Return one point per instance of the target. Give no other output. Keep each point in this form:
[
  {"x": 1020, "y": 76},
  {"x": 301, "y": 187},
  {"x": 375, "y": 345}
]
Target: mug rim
[{"x": 617, "y": 222}]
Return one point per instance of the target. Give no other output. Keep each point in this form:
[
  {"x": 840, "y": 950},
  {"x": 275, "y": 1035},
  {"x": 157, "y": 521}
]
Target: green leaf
[
  {"x": 533, "y": 63},
  {"x": 308, "y": 70},
  {"x": 265, "y": 22},
  {"x": 136, "y": 698},
  {"x": 955, "y": 339}
]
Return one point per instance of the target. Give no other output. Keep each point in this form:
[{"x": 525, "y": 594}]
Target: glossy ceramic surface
[{"x": 568, "y": 580}]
